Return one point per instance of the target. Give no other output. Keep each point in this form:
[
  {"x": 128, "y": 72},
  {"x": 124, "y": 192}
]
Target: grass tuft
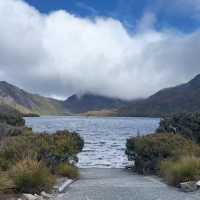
[
  {"x": 185, "y": 169},
  {"x": 6, "y": 183},
  {"x": 31, "y": 176}
]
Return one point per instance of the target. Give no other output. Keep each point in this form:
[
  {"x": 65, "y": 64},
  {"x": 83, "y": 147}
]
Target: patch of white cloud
[{"x": 60, "y": 54}]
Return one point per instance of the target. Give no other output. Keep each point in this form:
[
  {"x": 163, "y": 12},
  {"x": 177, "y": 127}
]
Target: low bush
[
  {"x": 186, "y": 124},
  {"x": 11, "y": 117},
  {"x": 148, "y": 151},
  {"x": 28, "y": 160},
  {"x": 183, "y": 170},
  {"x": 31, "y": 176},
  {"x": 51, "y": 149},
  {"x": 68, "y": 170}
]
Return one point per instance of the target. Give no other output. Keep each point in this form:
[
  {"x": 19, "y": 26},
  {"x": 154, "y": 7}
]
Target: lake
[{"x": 105, "y": 137}]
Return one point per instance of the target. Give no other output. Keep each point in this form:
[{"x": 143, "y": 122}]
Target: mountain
[
  {"x": 26, "y": 103},
  {"x": 90, "y": 102},
  {"x": 14, "y": 98},
  {"x": 182, "y": 98}
]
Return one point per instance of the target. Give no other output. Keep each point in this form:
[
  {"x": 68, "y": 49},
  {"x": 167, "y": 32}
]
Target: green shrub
[
  {"x": 68, "y": 170},
  {"x": 51, "y": 149},
  {"x": 186, "y": 124},
  {"x": 31, "y": 176},
  {"x": 183, "y": 170},
  {"x": 14, "y": 118},
  {"x": 148, "y": 151},
  {"x": 6, "y": 183}
]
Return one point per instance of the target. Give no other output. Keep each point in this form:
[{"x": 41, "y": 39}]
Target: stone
[
  {"x": 189, "y": 186},
  {"x": 131, "y": 165},
  {"x": 46, "y": 195},
  {"x": 198, "y": 183},
  {"x": 66, "y": 184},
  {"x": 30, "y": 197},
  {"x": 38, "y": 197}
]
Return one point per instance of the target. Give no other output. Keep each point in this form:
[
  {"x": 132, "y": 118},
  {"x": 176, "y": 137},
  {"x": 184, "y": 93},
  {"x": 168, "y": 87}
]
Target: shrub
[
  {"x": 68, "y": 170},
  {"x": 183, "y": 170},
  {"x": 6, "y": 183},
  {"x": 51, "y": 149},
  {"x": 148, "y": 151},
  {"x": 186, "y": 124},
  {"x": 14, "y": 119},
  {"x": 31, "y": 176}
]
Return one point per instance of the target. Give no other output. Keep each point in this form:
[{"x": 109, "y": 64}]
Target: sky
[{"x": 125, "y": 49}]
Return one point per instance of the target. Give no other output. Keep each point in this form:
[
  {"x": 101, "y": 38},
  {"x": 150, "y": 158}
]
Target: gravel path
[{"x": 118, "y": 184}]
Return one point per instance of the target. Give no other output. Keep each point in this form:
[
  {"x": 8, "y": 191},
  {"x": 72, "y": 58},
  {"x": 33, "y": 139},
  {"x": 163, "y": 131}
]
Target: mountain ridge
[
  {"x": 28, "y": 103},
  {"x": 181, "y": 98},
  {"x": 90, "y": 102}
]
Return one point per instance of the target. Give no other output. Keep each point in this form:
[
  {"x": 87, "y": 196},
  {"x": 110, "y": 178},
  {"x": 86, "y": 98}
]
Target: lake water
[{"x": 105, "y": 138}]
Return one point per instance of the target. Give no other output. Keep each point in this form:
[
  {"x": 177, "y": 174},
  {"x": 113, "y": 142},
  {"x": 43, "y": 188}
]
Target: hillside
[
  {"x": 89, "y": 102},
  {"x": 26, "y": 102},
  {"x": 182, "y": 98}
]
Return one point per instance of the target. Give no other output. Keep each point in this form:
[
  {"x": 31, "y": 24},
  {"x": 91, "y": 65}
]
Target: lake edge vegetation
[
  {"x": 29, "y": 161},
  {"x": 173, "y": 152}
]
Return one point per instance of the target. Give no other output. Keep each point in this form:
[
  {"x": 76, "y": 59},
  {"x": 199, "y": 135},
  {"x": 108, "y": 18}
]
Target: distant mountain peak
[
  {"x": 182, "y": 98},
  {"x": 195, "y": 81},
  {"x": 92, "y": 102}
]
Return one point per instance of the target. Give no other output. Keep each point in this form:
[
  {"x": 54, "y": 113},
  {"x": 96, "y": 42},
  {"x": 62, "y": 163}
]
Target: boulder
[
  {"x": 46, "y": 195},
  {"x": 130, "y": 165},
  {"x": 198, "y": 183},
  {"x": 65, "y": 185},
  {"x": 30, "y": 197},
  {"x": 189, "y": 186}
]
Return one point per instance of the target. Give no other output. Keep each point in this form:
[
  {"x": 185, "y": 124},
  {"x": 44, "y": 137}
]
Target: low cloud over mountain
[{"x": 58, "y": 54}]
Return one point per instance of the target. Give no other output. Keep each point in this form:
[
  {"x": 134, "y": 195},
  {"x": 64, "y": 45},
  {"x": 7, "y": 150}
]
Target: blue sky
[{"x": 171, "y": 14}]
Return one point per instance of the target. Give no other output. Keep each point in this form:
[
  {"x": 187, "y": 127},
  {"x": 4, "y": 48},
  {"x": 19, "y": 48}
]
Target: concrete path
[{"x": 119, "y": 184}]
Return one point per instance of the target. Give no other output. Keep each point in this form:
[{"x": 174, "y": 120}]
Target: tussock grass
[
  {"x": 6, "y": 183},
  {"x": 185, "y": 169},
  {"x": 31, "y": 176}
]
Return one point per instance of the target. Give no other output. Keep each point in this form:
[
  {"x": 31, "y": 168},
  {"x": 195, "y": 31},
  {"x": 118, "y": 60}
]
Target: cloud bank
[{"x": 60, "y": 54}]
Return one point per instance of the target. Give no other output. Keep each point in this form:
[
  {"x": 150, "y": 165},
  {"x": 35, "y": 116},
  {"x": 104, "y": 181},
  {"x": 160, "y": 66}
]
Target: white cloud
[{"x": 59, "y": 54}]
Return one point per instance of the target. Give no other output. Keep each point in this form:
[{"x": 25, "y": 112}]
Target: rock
[
  {"x": 131, "y": 165},
  {"x": 30, "y": 197},
  {"x": 38, "y": 197},
  {"x": 198, "y": 183},
  {"x": 46, "y": 195},
  {"x": 190, "y": 186},
  {"x": 66, "y": 184}
]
